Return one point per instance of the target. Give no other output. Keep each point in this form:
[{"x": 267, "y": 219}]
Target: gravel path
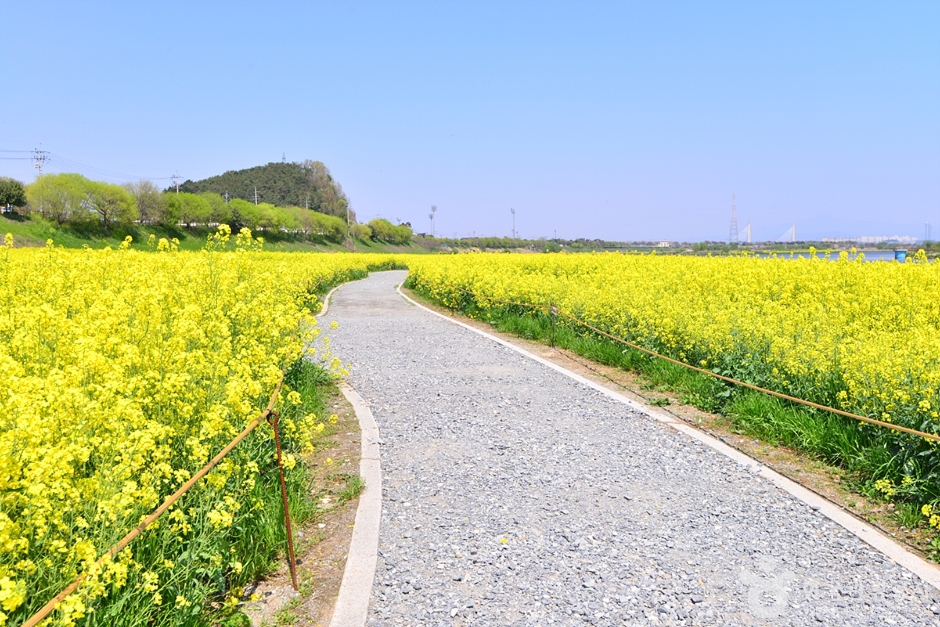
[{"x": 516, "y": 496}]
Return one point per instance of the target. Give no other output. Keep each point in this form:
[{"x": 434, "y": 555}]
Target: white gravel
[{"x": 516, "y": 496}]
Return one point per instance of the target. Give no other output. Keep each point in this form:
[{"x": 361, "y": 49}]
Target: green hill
[{"x": 308, "y": 184}]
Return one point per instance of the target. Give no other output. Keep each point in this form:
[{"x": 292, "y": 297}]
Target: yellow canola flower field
[
  {"x": 864, "y": 337},
  {"x": 123, "y": 373}
]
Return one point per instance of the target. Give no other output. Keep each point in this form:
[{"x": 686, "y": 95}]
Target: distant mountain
[{"x": 308, "y": 184}]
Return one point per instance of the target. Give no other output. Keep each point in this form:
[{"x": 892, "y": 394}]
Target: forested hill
[{"x": 307, "y": 184}]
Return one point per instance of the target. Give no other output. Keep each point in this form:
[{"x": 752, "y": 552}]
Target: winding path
[{"x": 514, "y": 495}]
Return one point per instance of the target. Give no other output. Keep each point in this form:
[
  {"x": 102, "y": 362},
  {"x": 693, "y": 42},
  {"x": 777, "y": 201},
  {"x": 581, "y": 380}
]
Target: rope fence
[
  {"x": 554, "y": 312},
  {"x": 268, "y": 415}
]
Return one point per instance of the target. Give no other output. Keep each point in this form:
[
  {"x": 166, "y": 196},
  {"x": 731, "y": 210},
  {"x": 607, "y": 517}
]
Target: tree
[
  {"x": 171, "y": 210},
  {"x": 331, "y": 227},
  {"x": 360, "y": 231},
  {"x": 12, "y": 193},
  {"x": 244, "y": 213},
  {"x": 302, "y": 220},
  {"x": 189, "y": 209},
  {"x": 151, "y": 204},
  {"x": 112, "y": 203},
  {"x": 283, "y": 220},
  {"x": 325, "y": 194},
  {"x": 382, "y": 229},
  {"x": 221, "y": 212},
  {"x": 269, "y": 218},
  {"x": 59, "y": 197},
  {"x": 313, "y": 224},
  {"x": 403, "y": 234}
]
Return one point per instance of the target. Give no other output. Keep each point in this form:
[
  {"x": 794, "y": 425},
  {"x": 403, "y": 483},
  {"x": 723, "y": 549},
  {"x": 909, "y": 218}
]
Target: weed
[
  {"x": 353, "y": 488},
  {"x": 236, "y": 620},
  {"x": 908, "y": 515}
]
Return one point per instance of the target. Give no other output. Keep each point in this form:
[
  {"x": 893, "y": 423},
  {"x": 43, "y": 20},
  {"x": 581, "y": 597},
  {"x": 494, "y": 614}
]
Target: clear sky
[{"x": 621, "y": 120}]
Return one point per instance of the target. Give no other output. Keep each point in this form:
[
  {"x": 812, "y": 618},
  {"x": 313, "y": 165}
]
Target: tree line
[{"x": 72, "y": 200}]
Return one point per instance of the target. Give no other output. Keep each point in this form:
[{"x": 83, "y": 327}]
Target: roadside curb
[
  {"x": 355, "y": 592},
  {"x": 326, "y": 302},
  {"x": 868, "y": 534}
]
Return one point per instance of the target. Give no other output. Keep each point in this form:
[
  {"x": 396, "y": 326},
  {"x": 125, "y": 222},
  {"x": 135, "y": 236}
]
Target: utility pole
[
  {"x": 733, "y": 233},
  {"x": 176, "y": 181},
  {"x": 256, "y": 195},
  {"x": 40, "y": 158},
  {"x": 433, "y": 211},
  {"x": 513, "y": 212}
]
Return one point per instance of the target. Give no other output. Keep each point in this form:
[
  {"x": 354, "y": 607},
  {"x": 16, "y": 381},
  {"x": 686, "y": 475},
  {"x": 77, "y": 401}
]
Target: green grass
[
  {"x": 835, "y": 439},
  {"x": 908, "y": 515},
  {"x": 355, "y": 484}
]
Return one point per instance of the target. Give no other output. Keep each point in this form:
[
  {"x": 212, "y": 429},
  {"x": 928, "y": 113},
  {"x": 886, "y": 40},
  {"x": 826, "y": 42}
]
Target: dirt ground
[
  {"x": 321, "y": 545},
  {"x": 828, "y": 481}
]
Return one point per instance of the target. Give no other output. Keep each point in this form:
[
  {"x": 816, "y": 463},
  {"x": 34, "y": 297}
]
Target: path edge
[
  {"x": 355, "y": 592},
  {"x": 326, "y": 301},
  {"x": 865, "y": 532}
]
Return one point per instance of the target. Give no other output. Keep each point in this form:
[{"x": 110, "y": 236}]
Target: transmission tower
[{"x": 733, "y": 235}]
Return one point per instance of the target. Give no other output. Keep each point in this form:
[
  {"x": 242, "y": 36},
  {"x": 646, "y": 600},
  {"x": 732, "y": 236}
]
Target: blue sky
[{"x": 627, "y": 120}]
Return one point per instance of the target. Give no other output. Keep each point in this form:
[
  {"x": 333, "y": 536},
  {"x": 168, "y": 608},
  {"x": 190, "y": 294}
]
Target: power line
[
  {"x": 71, "y": 163},
  {"x": 64, "y": 164}
]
